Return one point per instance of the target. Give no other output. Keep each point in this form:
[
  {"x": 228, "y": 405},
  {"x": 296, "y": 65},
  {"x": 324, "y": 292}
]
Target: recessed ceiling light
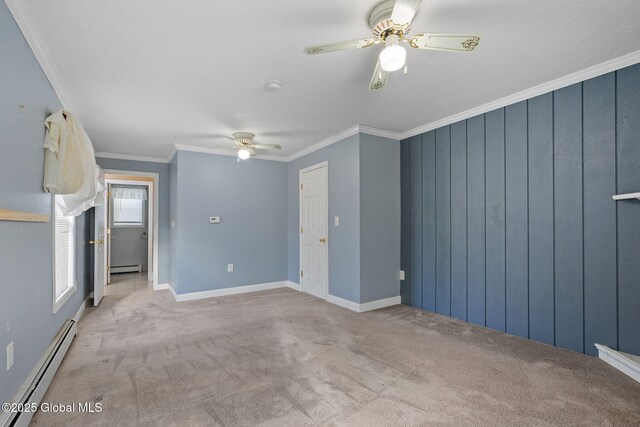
[{"x": 274, "y": 85}]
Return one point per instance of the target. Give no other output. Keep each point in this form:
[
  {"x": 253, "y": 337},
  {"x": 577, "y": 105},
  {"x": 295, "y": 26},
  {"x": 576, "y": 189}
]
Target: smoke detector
[{"x": 273, "y": 86}]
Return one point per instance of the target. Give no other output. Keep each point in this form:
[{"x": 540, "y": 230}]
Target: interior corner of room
[{"x": 454, "y": 240}]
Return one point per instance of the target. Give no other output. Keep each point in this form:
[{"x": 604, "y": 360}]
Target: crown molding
[
  {"x": 33, "y": 38},
  {"x": 218, "y": 151},
  {"x": 133, "y": 157},
  {"x": 380, "y": 132},
  {"x": 568, "y": 80},
  {"x": 324, "y": 143}
]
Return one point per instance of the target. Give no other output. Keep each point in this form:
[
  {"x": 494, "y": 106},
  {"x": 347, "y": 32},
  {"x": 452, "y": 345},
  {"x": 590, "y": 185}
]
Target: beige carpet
[{"x": 284, "y": 358}]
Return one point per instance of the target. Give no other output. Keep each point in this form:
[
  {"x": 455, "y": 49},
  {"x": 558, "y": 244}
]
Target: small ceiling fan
[
  {"x": 390, "y": 23},
  {"x": 243, "y": 142}
]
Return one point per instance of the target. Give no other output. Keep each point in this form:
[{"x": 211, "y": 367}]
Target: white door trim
[
  {"x": 154, "y": 191},
  {"x": 324, "y": 164}
]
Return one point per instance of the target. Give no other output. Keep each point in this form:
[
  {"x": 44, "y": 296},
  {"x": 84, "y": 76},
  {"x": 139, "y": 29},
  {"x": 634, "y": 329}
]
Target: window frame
[
  {"x": 124, "y": 225},
  {"x": 59, "y": 302}
]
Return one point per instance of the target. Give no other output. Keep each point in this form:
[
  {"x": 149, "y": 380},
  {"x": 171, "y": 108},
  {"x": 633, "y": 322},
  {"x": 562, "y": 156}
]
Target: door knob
[
  {"x": 323, "y": 240},
  {"x": 96, "y": 242}
]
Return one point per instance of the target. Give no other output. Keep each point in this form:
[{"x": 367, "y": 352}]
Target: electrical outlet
[
  {"x": 229, "y": 268},
  {"x": 401, "y": 274},
  {"x": 336, "y": 221},
  {"x": 10, "y": 355},
  {"x": 173, "y": 224}
]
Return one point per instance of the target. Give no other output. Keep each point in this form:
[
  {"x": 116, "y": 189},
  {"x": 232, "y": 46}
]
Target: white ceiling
[{"x": 143, "y": 75}]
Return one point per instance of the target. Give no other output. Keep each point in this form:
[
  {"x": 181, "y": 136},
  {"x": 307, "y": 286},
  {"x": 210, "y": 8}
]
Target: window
[
  {"x": 64, "y": 254},
  {"x": 128, "y": 213}
]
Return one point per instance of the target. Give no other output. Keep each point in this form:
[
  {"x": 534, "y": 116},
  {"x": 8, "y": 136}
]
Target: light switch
[
  {"x": 229, "y": 268},
  {"x": 336, "y": 221},
  {"x": 214, "y": 220},
  {"x": 401, "y": 274}
]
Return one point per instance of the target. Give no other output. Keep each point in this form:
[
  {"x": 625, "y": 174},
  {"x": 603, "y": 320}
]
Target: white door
[
  {"x": 314, "y": 244},
  {"x": 99, "y": 253}
]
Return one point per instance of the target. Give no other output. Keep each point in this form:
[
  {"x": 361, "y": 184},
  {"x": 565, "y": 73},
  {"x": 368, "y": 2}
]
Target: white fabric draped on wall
[{"x": 70, "y": 168}]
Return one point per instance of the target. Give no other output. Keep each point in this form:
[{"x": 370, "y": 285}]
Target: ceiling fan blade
[
  {"x": 404, "y": 11},
  {"x": 379, "y": 78},
  {"x": 267, "y": 146},
  {"x": 333, "y": 47},
  {"x": 447, "y": 42}
]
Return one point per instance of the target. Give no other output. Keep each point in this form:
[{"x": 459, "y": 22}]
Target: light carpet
[{"x": 285, "y": 358}]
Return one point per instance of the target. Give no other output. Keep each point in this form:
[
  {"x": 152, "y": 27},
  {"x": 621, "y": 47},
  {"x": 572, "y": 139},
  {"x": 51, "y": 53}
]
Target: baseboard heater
[
  {"x": 126, "y": 269},
  {"x": 36, "y": 385}
]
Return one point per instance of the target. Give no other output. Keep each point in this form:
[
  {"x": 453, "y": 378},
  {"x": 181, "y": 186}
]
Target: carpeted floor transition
[{"x": 285, "y": 358}]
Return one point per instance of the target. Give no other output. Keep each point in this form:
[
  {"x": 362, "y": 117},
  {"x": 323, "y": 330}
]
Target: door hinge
[
  {"x": 301, "y": 229},
  {"x": 301, "y": 273},
  {"x": 301, "y": 186}
]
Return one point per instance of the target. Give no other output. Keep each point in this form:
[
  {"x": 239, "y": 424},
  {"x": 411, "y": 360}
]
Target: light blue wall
[
  {"x": 379, "y": 218},
  {"x": 26, "y": 288},
  {"x": 162, "y": 169},
  {"x": 508, "y": 220},
  {"x": 344, "y": 201},
  {"x": 251, "y": 198},
  {"x": 173, "y": 215}
]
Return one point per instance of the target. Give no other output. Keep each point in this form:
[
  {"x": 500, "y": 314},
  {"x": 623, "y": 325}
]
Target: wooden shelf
[
  {"x": 627, "y": 196},
  {"x": 9, "y": 215}
]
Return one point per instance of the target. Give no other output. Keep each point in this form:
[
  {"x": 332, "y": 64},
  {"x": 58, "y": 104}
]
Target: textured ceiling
[{"x": 143, "y": 75}]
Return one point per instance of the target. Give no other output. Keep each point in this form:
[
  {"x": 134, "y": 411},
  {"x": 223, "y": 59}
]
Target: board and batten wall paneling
[
  {"x": 628, "y": 171},
  {"x": 476, "y": 224},
  {"x": 600, "y": 304},
  {"x": 429, "y": 221},
  {"x": 517, "y": 228},
  {"x": 443, "y": 220},
  {"x": 519, "y": 232},
  {"x": 459, "y": 220}
]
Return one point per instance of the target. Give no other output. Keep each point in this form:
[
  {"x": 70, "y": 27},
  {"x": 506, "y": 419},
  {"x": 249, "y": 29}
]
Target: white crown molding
[
  {"x": 380, "y": 132},
  {"x": 577, "y": 77},
  {"x": 324, "y": 143},
  {"x": 118, "y": 156},
  {"x": 30, "y": 32}
]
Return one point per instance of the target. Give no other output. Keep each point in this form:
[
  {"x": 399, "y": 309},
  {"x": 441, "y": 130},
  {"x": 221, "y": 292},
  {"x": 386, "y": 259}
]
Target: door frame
[
  {"x": 152, "y": 215},
  {"x": 301, "y": 172}
]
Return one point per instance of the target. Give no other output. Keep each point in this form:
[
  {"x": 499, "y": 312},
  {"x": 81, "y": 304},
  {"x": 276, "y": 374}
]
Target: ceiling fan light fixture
[
  {"x": 393, "y": 57},
  {"x": 244, "y": 154}
]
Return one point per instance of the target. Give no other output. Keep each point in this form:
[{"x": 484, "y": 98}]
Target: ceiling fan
[
  {"x": 390, "y": 23},
  {"x": 243, "y": 142}
]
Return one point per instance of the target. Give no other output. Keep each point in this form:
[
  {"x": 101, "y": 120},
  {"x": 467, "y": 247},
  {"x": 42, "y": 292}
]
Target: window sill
[{"x": 57, "y": 305}]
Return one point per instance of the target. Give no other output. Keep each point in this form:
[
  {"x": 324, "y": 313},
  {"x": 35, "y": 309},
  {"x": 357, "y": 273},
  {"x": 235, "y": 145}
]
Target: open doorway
[{"x": 131, "y": 232}]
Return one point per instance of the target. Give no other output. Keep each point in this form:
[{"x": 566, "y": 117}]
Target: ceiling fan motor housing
[{"x": 381, "y": 23}]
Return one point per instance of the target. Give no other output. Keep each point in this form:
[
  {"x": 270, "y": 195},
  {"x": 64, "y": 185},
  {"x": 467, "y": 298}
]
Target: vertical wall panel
[
  {"x": 628, "y": 102},
  {"x": 515, "y": 211},
  {"x": 443, "y": 221},
  {"x": 459, "y": 220},
  {"x": 567, "y": 133},
  {"x": 476, "y": 220},
  {"x": 495, "y": 217},
  {"x": 429, "y": 221},
  {"x": 541, "y": 302},
  {"x": 600, "y": 308},
  {"x": 415, "y": 221},
  {"x": 517, "y": 229},
  {"x": 405, "y": 236}
]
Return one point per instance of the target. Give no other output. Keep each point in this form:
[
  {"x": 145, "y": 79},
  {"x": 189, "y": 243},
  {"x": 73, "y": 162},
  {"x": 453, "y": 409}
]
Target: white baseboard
[
  {"x": 161, "y": 287},
  {"x": 294, "y": 285},
  {"x": 626, "y": 363},
  {"x": 227, "y": 291},
  {"x": 82, "y": 307},
  {"x": 364, "y": 307}
]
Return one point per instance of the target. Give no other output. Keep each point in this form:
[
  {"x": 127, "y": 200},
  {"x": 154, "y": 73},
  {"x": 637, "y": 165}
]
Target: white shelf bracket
[{"x": 627, "y": 196}]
